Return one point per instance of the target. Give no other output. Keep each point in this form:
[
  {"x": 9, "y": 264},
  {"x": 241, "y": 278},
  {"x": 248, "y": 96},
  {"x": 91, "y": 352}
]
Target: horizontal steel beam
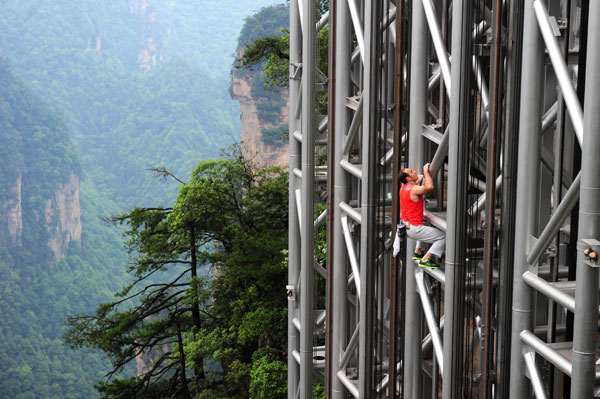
[
  {"x": 352, "y": 212},
  {"x": 549, "y": 290},
  {"x": 354, "y": 170},
  {"x": 548, "y": 353},
  {"x": 350, "y": 386}
]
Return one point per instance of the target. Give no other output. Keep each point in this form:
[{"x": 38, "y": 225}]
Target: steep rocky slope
[
  {"x": 266, "y": 155},
  {"x": 39, "y": 202}
]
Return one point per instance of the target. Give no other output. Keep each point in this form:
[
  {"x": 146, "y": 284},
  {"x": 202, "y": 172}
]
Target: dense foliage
[
  {"x": 36, "y": 292},
  {"x": 126, "y": 113},
  {"x": 85, "y": 61},
  {"x": 232, "y": 217}
]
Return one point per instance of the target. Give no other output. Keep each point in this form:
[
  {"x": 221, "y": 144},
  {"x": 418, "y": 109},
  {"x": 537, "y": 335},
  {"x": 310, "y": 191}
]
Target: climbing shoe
[
  {"x": 418, "y": 255},
  {"x": 429, "y": 264}
]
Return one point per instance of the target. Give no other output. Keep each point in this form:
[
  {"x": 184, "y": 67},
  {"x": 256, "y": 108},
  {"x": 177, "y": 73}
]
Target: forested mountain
[
  {"x": 39, "y": 283},
  {"x": 133, "y": 71},
  {"x": 104, "y": 91}
]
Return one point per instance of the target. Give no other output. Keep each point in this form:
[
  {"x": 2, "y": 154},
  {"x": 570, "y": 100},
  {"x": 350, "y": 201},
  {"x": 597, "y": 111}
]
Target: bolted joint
[
  {"x": 591, "y": 251},
  {"x": 290, "y": 291}
]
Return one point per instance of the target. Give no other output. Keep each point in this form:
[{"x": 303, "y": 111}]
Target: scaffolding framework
[{"x": 502, "y": 97}]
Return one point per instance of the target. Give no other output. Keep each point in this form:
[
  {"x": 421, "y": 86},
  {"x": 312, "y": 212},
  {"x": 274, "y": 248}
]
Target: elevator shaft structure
[{"x": 502, "y": 97}]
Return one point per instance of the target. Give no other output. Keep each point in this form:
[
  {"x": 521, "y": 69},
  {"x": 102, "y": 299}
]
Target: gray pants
[{"x": 430, "y": 235}]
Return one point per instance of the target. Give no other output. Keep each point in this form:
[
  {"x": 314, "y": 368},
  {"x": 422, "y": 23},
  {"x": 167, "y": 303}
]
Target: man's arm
[{"x": 426, "y": 188}]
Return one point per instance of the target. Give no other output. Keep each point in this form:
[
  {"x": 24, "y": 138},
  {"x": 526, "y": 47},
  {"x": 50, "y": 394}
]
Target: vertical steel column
[
  {"x": 585, "y": 337},
  {"x": 341, "y": 85},
  {"x": 457, "y": 207},
  {"x": 527, "y": 193},
  {"x": 294, "y": 224},
  {"x": 367, "y": 202},
  {"x": 417, "y": 113},
  {"x": 494, "y": 124},
  {"x": 396, "y": 262},
  {"x": 509, "y": 168},
  {"x": 307, "y": 215}
]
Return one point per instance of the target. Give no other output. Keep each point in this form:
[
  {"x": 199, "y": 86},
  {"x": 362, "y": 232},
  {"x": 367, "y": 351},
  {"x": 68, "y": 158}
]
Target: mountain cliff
[
  {"x": 135, "y": 84},
  {"x": 40, "y": 203},
  {"x": 265, "y": 152},
  {"x": 264, "y": 110}
]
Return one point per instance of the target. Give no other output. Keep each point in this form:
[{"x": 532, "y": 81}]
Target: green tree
[
  {"x": 248, "y": 307},
  {"x": 152, "y": 328},
  {"x": 232, "y": 216}
]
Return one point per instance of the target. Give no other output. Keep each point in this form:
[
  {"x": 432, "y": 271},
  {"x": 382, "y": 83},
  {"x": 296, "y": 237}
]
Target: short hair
[{"x": 402, "y": 176}]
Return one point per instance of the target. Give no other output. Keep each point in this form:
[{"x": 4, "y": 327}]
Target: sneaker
[
  {"x": 429, "y": 264},
  {"x": 418, "y": 255}
]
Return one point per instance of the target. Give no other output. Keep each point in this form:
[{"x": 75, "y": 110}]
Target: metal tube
[
  {"x": 320, "y": 219},
  {"x": 509, "y": 168},
  {"x": 481, "y": 201},
  {"x": 427, "y": 342},
  {"x": 351, "y": 253},
  {"x": 549, "y": 117},
  {"x": 350, "y": 386},
  {"x": 356, "y": 121},
  {"x": 544, "y": 287},
  {"x": 440, "y": 154},
  {"x": 353, "y": 213},
  {"x": 352, "y": 169},
  {"x": 435, "y": 220},
  {"x": 560, "y": 69},
  {"x": 322, "y": 22},
  {"x": 458, "y": 151},
  {"x": 482, "y": 86},
  {"x": 550, "y": 354},
  {"x": 585, "y": 339},
  {"x": 434, "y": 329},
  {"x": 438, "y": 42},
  {"x": 399, "y": 141},
  {"x": 526, "y": 201},
  {"x": 298, "y": 193},
  {"x": 293, "y": 218},
  {"x": 350, "y": 348},
  {"x": 492, "y": 186},
  {"x": 563, "y": 211},
  {"x": 341, "y": 90},
  {"x": 368, "y": 256},
  {"x": 534, "y": 375},
  {"x": 358, "y": 30},
  {"x": 307, "y": 215},
  {"x": 417, "y": 113}
]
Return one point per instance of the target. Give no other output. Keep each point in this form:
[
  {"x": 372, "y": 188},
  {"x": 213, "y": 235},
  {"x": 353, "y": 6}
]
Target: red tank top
[{"x": 410, "y": 210}]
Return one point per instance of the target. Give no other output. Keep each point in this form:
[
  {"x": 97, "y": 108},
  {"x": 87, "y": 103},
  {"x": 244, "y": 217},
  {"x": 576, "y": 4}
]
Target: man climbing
[{"x": 411, "y": 213}]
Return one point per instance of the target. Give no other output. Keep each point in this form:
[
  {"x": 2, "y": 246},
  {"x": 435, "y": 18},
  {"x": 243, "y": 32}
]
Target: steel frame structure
[{"x": 493, "y": 94}]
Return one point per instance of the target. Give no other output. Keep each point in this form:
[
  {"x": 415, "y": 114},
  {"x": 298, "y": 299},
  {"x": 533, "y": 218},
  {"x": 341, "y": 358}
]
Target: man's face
[{"x": 412, "y": 174}]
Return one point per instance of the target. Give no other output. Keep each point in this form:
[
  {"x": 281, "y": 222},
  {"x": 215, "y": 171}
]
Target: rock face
[
  {"x": 63, "y": 216},
  {"x": 145, "y": 360},
  {"x": 150, "y": 52},
  {"x": 13, "y": 212},
  {"x": 264, "y": 155}
]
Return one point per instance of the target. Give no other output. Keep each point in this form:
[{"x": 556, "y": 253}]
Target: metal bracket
[
  {"x": 295, "y": 70},
  {"x": 290, "y": 292},
  {"x": 591, "y": 251}
]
